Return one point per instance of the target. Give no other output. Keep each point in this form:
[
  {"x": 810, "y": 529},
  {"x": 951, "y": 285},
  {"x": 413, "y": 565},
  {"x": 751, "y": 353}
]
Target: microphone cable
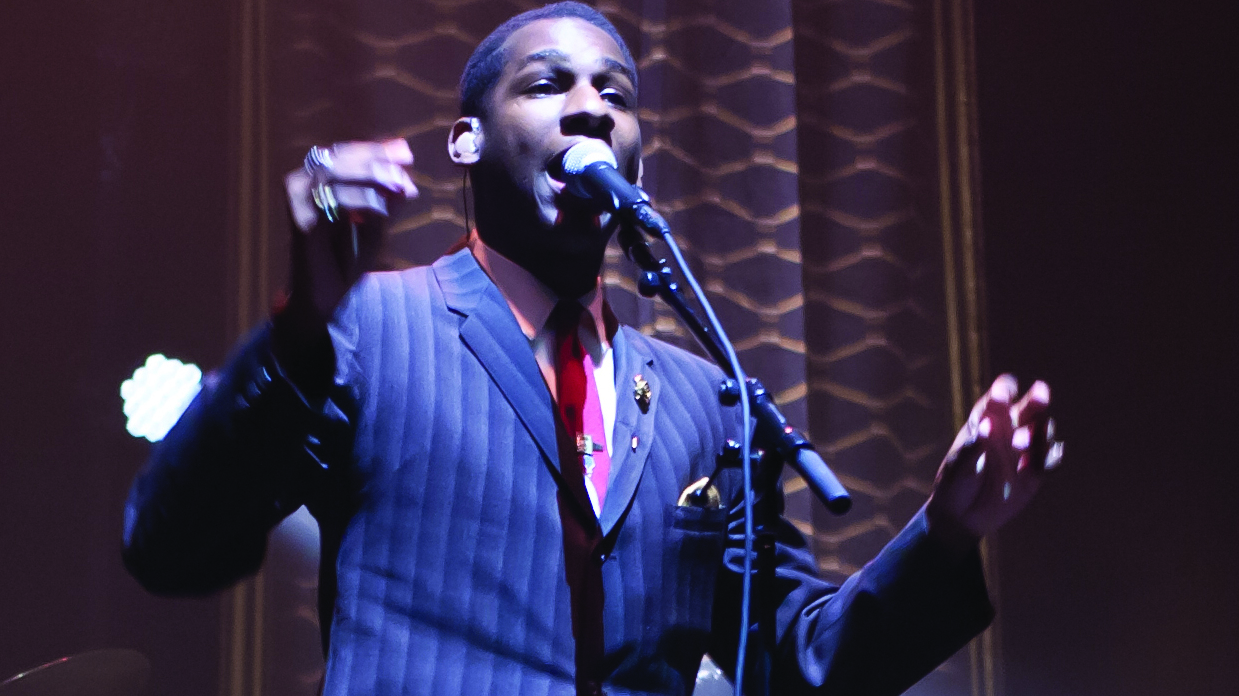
[
  {"x": 746, "y": 447},
  {"x": 592, "y": 171}
]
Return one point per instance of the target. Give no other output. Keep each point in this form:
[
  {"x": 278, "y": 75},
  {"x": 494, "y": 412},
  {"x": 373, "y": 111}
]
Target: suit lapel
[
  {"x": 632, "y": 358},
  {"x": 491, "y": 333}
]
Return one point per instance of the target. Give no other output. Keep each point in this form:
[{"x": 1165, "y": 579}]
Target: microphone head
[{"x": 578, "y": 157}]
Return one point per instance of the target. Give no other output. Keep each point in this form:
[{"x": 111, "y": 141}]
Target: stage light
[{"x": 157, "y": 395}]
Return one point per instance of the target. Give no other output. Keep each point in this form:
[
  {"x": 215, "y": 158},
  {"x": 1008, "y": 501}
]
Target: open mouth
[
  {"x": 566, "y": 201},
  {"x": 569, "y": 207},
  {"x": 557, "y": 186}
]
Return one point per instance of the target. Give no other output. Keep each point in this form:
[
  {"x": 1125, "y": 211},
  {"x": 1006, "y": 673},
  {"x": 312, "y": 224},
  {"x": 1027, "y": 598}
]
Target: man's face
[{"x": 564, "y": 81}]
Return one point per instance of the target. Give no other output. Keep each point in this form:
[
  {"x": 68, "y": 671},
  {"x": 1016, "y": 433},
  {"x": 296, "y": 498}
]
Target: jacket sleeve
[
  {"x": 881, "y": 631},
  {"x": 250, "y": 449}
]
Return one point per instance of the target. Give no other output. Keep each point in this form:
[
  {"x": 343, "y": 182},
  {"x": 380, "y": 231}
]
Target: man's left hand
[{"x": 996, "y": 463}]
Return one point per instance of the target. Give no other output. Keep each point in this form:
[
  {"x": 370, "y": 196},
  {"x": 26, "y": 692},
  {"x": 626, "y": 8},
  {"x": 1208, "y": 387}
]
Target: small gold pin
[{"x": 641, "y": 392}]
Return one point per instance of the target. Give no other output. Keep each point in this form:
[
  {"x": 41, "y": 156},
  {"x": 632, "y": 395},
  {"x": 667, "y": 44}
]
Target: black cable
[{"x": 464, "y": 200}]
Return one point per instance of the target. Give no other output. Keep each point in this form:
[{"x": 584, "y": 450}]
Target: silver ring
[
  {"x": 1054, "y": 454},
  {"x": 319, "y": 159},
  {"x": 325, "y": 200}
]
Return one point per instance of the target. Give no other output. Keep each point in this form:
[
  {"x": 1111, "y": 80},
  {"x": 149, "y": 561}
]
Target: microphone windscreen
[{"x": 585, "y": 153}]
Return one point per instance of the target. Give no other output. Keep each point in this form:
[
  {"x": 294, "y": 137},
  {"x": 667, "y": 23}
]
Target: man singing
[{"x": 497, "y": 467}]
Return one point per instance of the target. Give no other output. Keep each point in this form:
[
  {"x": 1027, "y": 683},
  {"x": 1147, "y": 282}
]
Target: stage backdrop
[
  {"x": 815, "y": 159},
  {"x": 141, "y": 213}
]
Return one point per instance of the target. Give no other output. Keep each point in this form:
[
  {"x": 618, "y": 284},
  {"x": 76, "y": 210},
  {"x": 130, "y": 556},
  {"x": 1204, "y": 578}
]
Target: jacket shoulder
[{"x": 701, "y": 373}]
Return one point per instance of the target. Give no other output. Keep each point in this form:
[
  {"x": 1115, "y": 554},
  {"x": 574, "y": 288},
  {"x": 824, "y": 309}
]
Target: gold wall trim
[
  {"x": 241, "y": 634},
  {"x": 958, "y": 193}
]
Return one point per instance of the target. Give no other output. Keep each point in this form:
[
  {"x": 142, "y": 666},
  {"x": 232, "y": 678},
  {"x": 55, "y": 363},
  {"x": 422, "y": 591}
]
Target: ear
[{"x": 464, "y": 142}]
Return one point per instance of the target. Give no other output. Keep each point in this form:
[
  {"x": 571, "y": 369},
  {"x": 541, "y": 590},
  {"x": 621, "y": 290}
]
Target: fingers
[
  {"x": 972, "y": 440},
  {"x": 1034, "y": 407},
  {"x": 998, "y": 460},
  {"x": 1004, "y": 389},
  {"x": 382, "y": 166},
  {"x": 1030, "y": 418},
  {"x": 966, "y": 469},
  {"x": 962, "y": 455},
  {"x": 998, "y": 464},
  {"x": 397, "y": 150},
  {"x": 359, "y": 199},
  {"x": 298, "y": 185}
]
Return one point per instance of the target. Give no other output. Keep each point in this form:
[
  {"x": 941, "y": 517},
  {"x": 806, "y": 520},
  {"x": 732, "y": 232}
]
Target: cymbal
[{"x": 94, "y": 673}]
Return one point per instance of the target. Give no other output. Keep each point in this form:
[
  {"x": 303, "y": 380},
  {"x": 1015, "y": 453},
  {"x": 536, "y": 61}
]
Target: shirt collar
[{"x": 531, "y": 301}]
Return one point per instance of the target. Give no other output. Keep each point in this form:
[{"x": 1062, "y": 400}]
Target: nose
[{"x": 586, "y": 113}]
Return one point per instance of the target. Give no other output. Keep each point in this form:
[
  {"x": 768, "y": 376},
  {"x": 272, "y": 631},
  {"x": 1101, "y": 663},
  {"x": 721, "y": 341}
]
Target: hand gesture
[
  {"x": 996, "y": 463},
  {"x": 338, "y": 202}
]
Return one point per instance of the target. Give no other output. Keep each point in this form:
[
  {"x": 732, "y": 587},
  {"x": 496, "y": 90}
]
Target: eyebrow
[{"x": 555, "y": 55}]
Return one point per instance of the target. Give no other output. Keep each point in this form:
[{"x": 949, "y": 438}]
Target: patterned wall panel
[
  {"x": 383, "y": 69},
  {"x": 882, "y": 332}
]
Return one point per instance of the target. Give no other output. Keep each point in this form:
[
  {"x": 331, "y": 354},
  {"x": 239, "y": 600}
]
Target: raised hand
[
  {"x": 338, "y": 203},
  {"x": 996, "y": 463}
]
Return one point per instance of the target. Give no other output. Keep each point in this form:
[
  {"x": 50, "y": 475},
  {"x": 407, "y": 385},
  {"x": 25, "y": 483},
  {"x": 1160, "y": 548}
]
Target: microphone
[{"x": 589, "y": 172}]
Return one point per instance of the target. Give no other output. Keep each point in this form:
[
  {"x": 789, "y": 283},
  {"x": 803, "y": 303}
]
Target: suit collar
[{"x": 490, "y": 331}]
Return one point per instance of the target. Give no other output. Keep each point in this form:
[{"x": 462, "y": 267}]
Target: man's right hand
[{"x": 328, "y": 256}]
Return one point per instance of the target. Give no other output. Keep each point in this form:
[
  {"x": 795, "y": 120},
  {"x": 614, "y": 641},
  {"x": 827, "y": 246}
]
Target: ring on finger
[
  {"x": 319, "y": 160},
  {"x": 325, "y": 200},
  {"x": 1054, "y": 454}
]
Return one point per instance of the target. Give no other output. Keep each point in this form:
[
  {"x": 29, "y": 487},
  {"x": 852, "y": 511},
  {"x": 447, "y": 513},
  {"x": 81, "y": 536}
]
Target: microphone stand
[
  {"x": 777, "y": 442},
  {"x": 772, "y": 431}
]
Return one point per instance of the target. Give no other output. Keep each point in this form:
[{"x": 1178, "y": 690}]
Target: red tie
[{"x": 581, "y": 532}]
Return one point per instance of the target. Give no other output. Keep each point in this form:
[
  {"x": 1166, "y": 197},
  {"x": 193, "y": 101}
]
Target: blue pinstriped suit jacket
[{"x": 432, "y": 468}]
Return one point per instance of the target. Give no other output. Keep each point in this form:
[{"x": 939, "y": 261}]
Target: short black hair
[{"x": 486, "y": 64}]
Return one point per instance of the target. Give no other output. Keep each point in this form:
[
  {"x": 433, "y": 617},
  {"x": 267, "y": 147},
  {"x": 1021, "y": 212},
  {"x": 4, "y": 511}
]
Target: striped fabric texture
[{"x": 432, "y": 468}]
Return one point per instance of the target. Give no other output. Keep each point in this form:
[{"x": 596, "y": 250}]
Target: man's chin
[{"x": 585, "y": 223}]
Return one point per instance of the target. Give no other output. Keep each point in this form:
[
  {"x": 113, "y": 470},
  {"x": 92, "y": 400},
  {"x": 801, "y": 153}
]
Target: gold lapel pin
[{"x": 641, "y": 392}]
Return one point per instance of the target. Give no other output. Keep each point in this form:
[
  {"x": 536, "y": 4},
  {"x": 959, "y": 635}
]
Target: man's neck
[{"x": 530, "y": 299}]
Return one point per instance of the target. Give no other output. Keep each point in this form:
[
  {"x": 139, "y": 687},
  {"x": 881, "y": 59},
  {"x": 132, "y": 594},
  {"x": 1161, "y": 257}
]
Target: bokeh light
[{"x": 157, "y": 395}]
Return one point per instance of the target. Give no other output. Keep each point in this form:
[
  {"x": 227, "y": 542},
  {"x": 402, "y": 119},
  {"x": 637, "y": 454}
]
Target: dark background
[
  {"x": 1109, "y": 196},
  {"x": 108, "y": 252}
]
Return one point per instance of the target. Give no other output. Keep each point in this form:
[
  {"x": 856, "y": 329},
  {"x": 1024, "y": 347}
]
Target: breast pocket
[
  {"x": 692, "y": 559},
  {"x": 698, "y": 520}
]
